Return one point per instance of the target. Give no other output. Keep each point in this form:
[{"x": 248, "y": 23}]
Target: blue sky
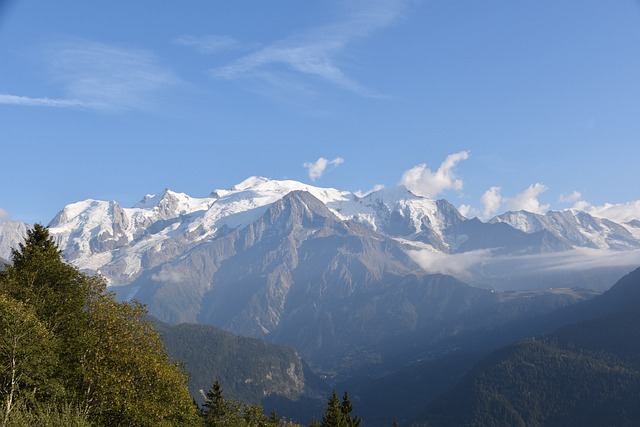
[{"x": 493, "y": 105}]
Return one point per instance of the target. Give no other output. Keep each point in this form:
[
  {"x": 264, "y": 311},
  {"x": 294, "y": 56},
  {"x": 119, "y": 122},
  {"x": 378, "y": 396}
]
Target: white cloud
[
  {"x": 620, "y": 213},
  {"x": 4, "y": 215},
  {"x": 573, "y": 197},
  {"x": 375, "y": 188},
  {"x": 100, "y": 76},
  {"x": 317, "y": 168},
  {"x": 39, "y": 102},
  {"x": 467, "y": 211},
  {"x": 109, "y": 77},
  {"x": 167, "y": 276},
  {"x": 491, "y": 202},
  {"x": 314, "y": 52},
  {"x": 484, "y": 268},
  {"x": 422, "y": 181},
  {"x": 457, "y": 265},
  {"x": 528, "y": 200},
  {"x": 209, "y": 44}
]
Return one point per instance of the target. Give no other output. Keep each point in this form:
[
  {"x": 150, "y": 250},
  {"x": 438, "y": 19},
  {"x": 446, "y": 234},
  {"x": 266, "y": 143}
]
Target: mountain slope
[
  {"x": 12, "y": 233},
  {"x": 248, "y": 368},
  {"x": 576, "y": 227},
  {"x": 585, "y": 373}
]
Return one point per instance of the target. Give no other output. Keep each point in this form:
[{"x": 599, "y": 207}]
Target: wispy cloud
[
  {"x": 315, "y": 52},
  {"x": 4, "y": 215},
  {"x": 209, "y": 44},
  {"x": 39, "y": 102},
  {"x": 422, "y": 181},
  {"x": 483, "y": 267},
  {"x": 375, "y": 188},
  {"x": 570, "y": 198},
  {"x": 100, "y": 76},
  {"x": 318, "y": 168}
]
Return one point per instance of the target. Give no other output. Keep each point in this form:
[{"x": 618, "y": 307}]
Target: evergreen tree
[
  {"x": 346, "y": 407},
  {"x": 60, "y": 330},
  {"x": 215, "y": 404},
  {"x": 58, "y": 294},
  {"x": 333, "y": 415}
]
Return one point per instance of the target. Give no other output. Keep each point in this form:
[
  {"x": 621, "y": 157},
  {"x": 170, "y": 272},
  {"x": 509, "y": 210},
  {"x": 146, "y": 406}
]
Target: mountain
[
  {"x": 122, "y": 243},
  {"x": 249, "y": 369},
  {"x": 369, "y": 290},
  {"x": 575, "y": 227},
  {"x": 12, "y": 233},
  {"x": 585, "y": 373},
  {"x": 314, "y": 267}
]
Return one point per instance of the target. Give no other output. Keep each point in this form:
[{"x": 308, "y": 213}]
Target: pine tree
[
  {"x": 346, "y": 407},
  {"x": 333, "y": 416},
  {"x": 216, "y": 405}
]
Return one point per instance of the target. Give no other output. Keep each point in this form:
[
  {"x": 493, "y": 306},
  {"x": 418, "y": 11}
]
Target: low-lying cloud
[{"x": 483, "y": 268}]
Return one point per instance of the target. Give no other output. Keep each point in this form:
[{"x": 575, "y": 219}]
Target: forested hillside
[
  {"x": 586, "y": 373},
  {"x": 249, "y": 368}
]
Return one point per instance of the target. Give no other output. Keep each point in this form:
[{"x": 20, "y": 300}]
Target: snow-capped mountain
[
  {"x": 315, "y": 267},
  {"x": 122, "y": 242},
  {"x": 578, "y": 228},
  {"x": 11, "y": 235}
]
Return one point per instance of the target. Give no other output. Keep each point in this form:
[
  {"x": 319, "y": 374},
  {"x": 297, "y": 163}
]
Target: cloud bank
[{"x": 483, "y": 268}]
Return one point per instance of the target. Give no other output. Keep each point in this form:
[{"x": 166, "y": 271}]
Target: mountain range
[
  {"x": 586, "y": 372},
  {"x": 362, "y": 287},
  {"x": 266, "y": 255}
]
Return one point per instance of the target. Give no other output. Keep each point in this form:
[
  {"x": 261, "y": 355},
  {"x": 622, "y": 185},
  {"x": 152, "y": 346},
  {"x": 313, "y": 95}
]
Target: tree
[
  {"x": 26, "y": 359},
  {"x": 57, "y": 293},
  {"x": 109, "y": 359},
  {"x": 346, "y": 407},
  {"x": 215, "y": 404},
  {"x": 222, "y": 412},
  {"x": 333, "y": 415},
  {"x": 129, "y": 379},
  {"x": 338, "y": 414}
]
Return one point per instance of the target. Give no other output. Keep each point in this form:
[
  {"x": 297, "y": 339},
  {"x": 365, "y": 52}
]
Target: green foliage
[
  {"x": 221, "y": 412},
  {"x": 65, "y": 341},
  {"x": 50, "y": 415},
  {"x": 209, "y": 352},
  {"x": 585, "y": 373},
  {"x": 26, "y": 356},
  {"x": 338, "y": 413}
]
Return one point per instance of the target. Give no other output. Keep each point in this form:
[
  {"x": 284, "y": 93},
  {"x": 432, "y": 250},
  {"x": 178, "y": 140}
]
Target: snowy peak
[
  {"x": 12, "y": 233},
  {"x": 103, "y": 236},
  {"x": 170, "y": 204},
  {"x": 577, "y": 227}
]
